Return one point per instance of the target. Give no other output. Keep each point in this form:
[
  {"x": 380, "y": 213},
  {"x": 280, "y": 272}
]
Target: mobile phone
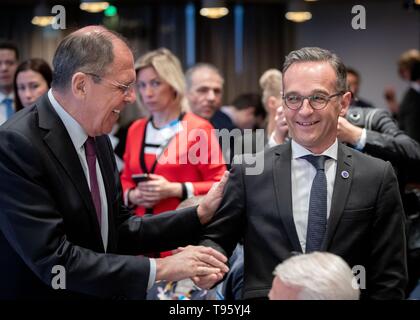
[{"x": 140, "y": 177}]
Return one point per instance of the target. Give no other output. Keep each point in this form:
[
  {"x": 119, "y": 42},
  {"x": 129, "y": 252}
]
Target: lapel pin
[{"x": 344, "y": 174}]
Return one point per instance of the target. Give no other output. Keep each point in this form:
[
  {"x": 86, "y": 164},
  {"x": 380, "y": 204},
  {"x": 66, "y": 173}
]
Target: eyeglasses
[
  {"x": 317, "y": 101},
  {"x": 124, "y": 88}
]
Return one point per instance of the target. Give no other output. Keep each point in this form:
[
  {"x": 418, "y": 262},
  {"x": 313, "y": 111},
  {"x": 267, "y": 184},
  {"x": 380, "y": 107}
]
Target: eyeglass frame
[
  {"x": 123, "y": 87},
  {"x": 309, "y": 100}
]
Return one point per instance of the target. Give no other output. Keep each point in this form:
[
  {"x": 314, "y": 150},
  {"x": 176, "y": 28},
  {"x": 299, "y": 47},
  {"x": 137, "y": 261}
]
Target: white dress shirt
[
  {"x": 3, "y": 108},
  {"x": 303, "y": 174}
]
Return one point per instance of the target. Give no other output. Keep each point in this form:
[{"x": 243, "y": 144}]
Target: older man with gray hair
[{"x": 314, "y": 276}]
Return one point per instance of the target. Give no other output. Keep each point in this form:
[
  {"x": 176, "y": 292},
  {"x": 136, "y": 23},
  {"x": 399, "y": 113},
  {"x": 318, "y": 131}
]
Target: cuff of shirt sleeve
[
  {"x": 190, "y": 189},
  {"x": 362, "y": 141},
  {"x": 152, "y": 273}
]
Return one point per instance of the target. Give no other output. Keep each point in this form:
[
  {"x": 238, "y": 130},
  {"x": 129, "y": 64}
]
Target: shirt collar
[
  {"x": 4, "y": 96},
  {"x": 415, "y": 86},
  {"x": 77, "y": 134},
  {"x": 298, "y": 151}
]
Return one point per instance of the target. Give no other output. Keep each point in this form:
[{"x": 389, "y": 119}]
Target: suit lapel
[
  {"x": 60, "y": 144},
  {"x": 283, "y": 190},
  {"x": 340, "y": 193}
]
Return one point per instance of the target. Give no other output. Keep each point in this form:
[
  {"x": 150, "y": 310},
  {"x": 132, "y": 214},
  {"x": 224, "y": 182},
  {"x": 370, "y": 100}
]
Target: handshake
[{"x": 204, "y": 265}]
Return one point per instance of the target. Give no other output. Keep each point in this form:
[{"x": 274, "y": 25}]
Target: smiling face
[
  {"x": 104, "y": 99},
  {"x": 316, "y": 130},
  {"x": 156, "y": 94},
  {"x": 30, "y": 86}
]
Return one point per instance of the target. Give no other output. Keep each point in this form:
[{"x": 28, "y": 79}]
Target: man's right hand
[
  {"x": 190, "y": 262},
  {"x": 212, "y": 200}
]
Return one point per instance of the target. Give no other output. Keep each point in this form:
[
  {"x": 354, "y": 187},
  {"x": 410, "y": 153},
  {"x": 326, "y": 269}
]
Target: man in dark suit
[
  {"x": 409, "y": 115},
  {"x": 61, "y": 202},
  {"x": 314, "y": 193}
]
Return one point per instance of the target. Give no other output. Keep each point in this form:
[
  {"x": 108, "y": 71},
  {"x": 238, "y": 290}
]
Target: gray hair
[
  {"x": 190, "y": 72},
  {"x": 312, "y": 54},
  {"x": 90, "y": 52},
  {"x": 319, "y": 276}
]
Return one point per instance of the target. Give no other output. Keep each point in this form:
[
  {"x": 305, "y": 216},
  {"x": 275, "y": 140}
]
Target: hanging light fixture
[
  {"x": 213, "y": 9},
  {"x": 42, "y": 16},
  {"x": 93, "y": 6},
  {"x": 298, "y": 11}
]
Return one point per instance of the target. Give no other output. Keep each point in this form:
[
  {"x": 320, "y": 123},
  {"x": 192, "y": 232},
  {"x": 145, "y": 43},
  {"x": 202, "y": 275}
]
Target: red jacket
[{"x": 181, "y": 148}]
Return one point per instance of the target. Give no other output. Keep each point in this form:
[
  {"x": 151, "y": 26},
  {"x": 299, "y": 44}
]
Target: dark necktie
[
  {"x": 9, "y": 107},
  {"x": 90, "y": 151},
  {"x": 317, "y": 215}
]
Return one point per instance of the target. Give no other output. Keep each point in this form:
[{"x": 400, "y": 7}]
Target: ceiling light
[
  {"x": 213, "y": 9},
  {"x": 93, "y": 6},
  {"x": 42, "y": 16},
  {"x": 298, "y": 11}
]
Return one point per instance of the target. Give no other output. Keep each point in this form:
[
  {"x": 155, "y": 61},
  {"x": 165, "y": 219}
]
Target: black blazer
[
  {"x": 409, "y": 114},
  {"x": 47, "y": 217},
  {"x": 365, "y": 226}
]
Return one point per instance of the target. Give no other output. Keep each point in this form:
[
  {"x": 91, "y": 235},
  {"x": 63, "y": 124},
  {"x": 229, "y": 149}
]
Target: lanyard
[{"x": 143, "y": 146}]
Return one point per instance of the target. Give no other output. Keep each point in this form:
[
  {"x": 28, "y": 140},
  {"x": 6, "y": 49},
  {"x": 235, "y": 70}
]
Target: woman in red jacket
[{"x": 174, "y": 154}]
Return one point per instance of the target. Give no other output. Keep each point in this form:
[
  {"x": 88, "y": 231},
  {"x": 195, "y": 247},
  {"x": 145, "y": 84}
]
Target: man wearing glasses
[
  {"x": 315, "y": 194},
  {"x": 63, "y": 230}
]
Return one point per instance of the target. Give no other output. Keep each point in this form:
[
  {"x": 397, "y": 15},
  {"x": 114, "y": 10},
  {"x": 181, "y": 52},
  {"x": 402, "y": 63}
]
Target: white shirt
[
  {"x": 3, "y": 108},
  {"x": 303, "y": 174},
  {"x": 78, "y": 136}
]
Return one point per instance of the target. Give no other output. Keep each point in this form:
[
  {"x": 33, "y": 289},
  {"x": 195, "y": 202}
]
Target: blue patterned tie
[
  {"x": 9, "y": 107},
  {"x": 317, "y": 215}
]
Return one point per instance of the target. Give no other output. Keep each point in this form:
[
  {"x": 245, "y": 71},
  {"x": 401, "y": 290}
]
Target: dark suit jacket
[
  {"x": 365, "y": 226},
  {"x": 47, "y": 217},
  {"x": 409, "y": 114}
]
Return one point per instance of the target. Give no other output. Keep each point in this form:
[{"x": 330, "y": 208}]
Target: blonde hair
[
  {"x": 169, "y": 70},
  {"x": 408, "y": 58},
  {"x": 271, "y": 84}
]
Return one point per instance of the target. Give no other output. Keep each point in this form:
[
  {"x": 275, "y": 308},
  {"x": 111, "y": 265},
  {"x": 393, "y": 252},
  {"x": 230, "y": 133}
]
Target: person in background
[
  {"x": 170, "y": 134},
  {"x": 204, "y": 93},
  {"x": 314, "y": 276},
  {"x": 405, "y": 64},
  {"x": 353, "y": 81},
  {"x": 9, "y": 57},
  {"x": 244, "y": 109},
  {"x": 32, "y": 79}
]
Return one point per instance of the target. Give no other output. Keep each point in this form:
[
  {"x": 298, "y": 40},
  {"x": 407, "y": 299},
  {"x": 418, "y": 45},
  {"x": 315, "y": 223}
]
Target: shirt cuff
[
  {"x": 190, "y": 189},
  {"x": 126, "y": 197},
  {"x": 362, "y": 141},
  {"x": 152, "y": 273}
]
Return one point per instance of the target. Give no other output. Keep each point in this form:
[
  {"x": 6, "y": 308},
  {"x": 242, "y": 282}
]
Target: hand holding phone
[{"x": 140, "y": 177}]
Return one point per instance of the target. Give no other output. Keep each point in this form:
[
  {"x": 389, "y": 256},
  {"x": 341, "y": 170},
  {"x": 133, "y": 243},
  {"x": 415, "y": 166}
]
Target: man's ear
[
  {"x": 345, "y": 103},
  {"x": 78, "y": 85}
]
